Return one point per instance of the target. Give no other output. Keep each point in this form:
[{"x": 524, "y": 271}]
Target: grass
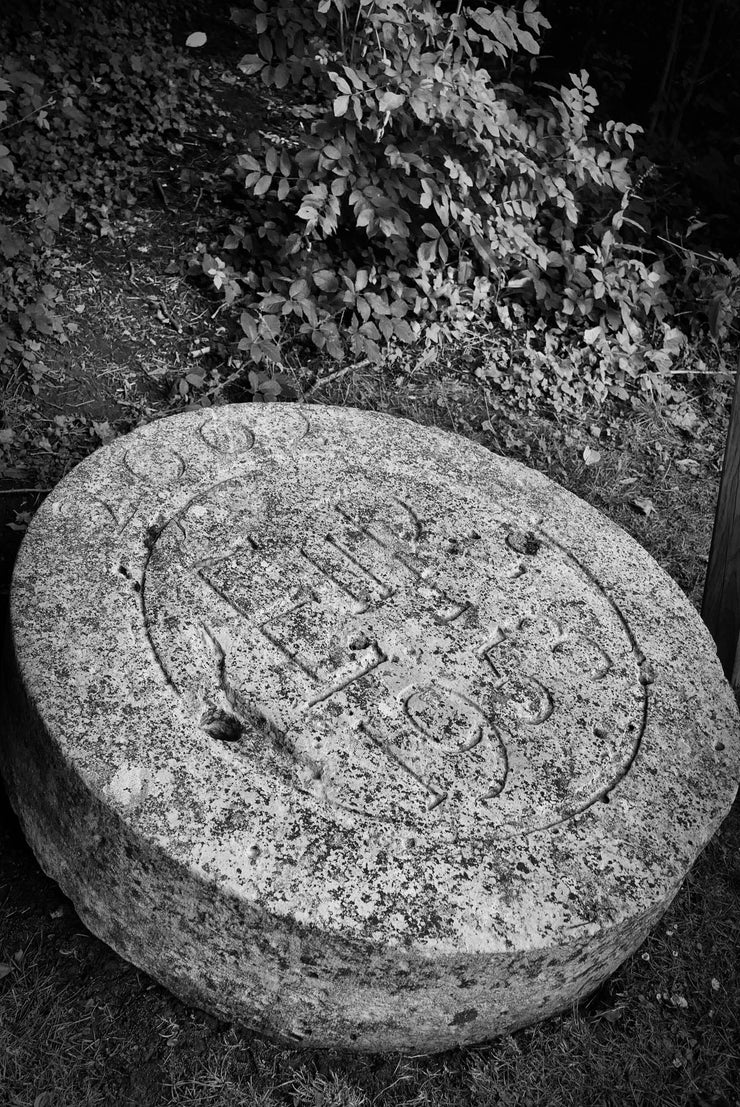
[{"x": 79, "y": 1027}]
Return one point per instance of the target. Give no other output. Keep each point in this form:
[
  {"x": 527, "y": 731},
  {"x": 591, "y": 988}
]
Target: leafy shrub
[{"x": 424, "y": 192}]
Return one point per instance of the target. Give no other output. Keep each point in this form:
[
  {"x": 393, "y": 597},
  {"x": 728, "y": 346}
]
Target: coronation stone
[{"x": 351, "y": 731}]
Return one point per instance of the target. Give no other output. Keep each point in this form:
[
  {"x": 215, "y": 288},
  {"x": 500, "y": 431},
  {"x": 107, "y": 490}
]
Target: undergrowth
[
  {"x": 83, "y": 97},
  {"x": 427, "y": 192}
]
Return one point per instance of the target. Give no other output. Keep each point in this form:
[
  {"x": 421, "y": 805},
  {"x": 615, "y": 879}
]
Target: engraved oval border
[{"x": 503, "y": 830}]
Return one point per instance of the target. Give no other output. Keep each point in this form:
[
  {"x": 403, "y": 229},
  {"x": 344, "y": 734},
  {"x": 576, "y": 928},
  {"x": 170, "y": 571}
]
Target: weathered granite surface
[{"x": 352, "y": 731}]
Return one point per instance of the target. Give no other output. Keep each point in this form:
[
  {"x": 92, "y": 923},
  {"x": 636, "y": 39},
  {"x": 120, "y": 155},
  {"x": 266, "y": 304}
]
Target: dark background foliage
[{"x": 670, "y": 65}]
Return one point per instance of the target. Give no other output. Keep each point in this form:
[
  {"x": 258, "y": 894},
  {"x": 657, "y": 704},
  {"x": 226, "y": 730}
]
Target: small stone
[
  {"x": 221, "y": 724},
  {"x": 523, "y": 542}
]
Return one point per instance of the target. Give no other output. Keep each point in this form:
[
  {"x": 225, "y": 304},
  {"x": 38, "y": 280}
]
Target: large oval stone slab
[{"x": 351, "y": 731}]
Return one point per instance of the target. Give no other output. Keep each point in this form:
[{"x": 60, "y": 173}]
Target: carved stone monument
[{"x": 353, "y": 732}]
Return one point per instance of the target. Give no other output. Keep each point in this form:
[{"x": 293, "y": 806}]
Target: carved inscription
[
  {"x": 444, "y": 725},
  {"x": 344, "y": 619},
  {"x": 226, "y": 438},
  {"x": 154, "y": 465}
]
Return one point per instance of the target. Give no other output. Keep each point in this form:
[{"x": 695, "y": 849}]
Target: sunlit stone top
[{"x": 370, "y": 676}]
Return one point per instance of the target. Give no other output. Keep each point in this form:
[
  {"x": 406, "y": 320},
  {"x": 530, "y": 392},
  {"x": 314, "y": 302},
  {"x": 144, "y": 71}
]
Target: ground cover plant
[{"x": 113, "y": 317}]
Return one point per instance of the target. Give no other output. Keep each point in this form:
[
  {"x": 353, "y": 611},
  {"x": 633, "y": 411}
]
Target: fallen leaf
[
  {"x": 104, "y": 431},
  {"x": 644, "y": 505},
  {"x": 715, "y": 984},
  {"x": 686, "y": 419},
  {"x": 22, "y": 519},
  {"x": 196, "y": 39},
  {"x": 591, "y": 457},
  {"x": 5, "y": 970}
]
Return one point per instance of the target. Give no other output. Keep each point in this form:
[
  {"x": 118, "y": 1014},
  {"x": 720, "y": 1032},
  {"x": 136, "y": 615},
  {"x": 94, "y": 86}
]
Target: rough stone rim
[{"x": 661, "y": 871}]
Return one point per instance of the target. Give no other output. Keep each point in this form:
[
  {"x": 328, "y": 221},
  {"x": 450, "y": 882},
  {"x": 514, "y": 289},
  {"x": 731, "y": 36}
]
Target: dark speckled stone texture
[{"x": 352, "y": 731}]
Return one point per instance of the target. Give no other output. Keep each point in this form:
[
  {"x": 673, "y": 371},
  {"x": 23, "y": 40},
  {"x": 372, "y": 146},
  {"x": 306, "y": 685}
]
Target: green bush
[{"x": 425, "y": 193}]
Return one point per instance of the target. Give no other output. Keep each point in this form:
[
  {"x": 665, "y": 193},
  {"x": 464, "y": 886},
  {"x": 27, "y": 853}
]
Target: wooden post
[{"x": 721, "y": 604}]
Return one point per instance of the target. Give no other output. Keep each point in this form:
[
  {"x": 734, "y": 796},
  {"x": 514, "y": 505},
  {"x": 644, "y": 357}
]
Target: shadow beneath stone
[{"x": 9, "y": 824}]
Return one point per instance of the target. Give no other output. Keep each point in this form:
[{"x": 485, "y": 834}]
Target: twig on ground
[
  {"x": 21, "y": 491},
  {"x": 229, "y": 380},
  {"x": 160, "y": 190},
  {"x": 49, "y": 103},
  {"x": 698, "y": 372},
  {"x": 334, "y": 376}
]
